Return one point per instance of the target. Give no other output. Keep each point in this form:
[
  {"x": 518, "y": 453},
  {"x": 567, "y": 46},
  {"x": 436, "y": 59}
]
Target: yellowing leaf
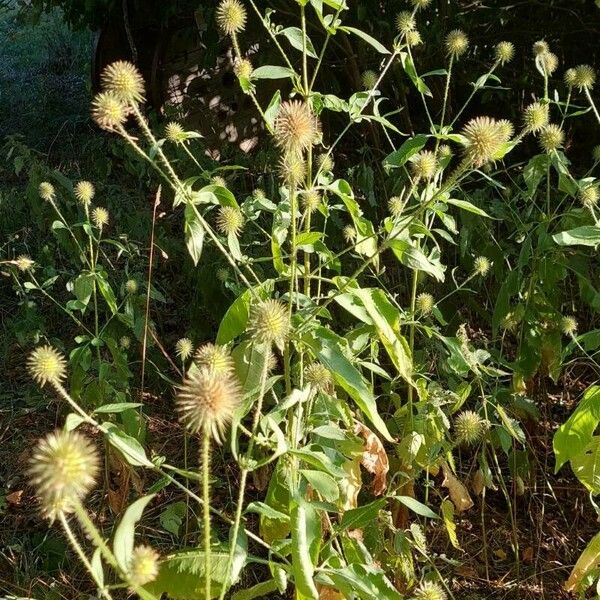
[
  {"x": 350, "y": 485},
  {"x": 448, "y": 515},
  {"x": 374, "y": 458},
  {"x": 458, "y": 492},
  {"x": 588, "y": 560}
]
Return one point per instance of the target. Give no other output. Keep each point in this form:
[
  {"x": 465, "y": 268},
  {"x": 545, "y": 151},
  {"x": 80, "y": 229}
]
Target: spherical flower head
[
  {"x": 396, "y": 206},
  {"x": 424, "y": 165},
  {"x": 46, "y": 191},
  {"x": 125, "y": 342},
  {"x": 585, "y": 77},
  {"x": 131, "y": 286},
  {"x": 551, "y": 138},
  {"x": 568, "y": 325},
  {"x": 109, "y": 111},
  {"x": 230, "y": 220},
  {"x": 405, "y": 21},
  {"x": 536, "y": 116},
  {"x": 292, "y": 169},
  {"x": 469, "y": 427},
  {"x": 218, "y": 180},
  {"x": 429, "y": 590},
  {"x": 349, "y": 233},
  {"x": 63, "y": 470},
  {"x": 24, "y": 263},
  {"x": 425, "y": 303},
  {"x": 588, "y": 196},
  {"x": 174, "y": 133},
  {"x": 311, "y": 200},
  {"x": 507, "y": 128},
  {"x": 243, "y": 68},
  {"x": 123, "y": 79},
  {"x": 207, "y": 401},
  {"x": 413, "y": 38},
  {"x": 296, "y": 127},
  {"x": 505, "y": 52},
  {"x": 420, "y": 4},
  {"x": 596, "y": 153},
  {"x": 269, "y": 322},
  {"x": 457, "y": 43},
  {"x": 84, "y": 192},
  {"x": 214, "y": 357},
  {"x": 369, "y": 79},
  {"x": 100, "y": 217},
  {"x": 143, "y": 565},
  {"x": 570, "y": 77},
  {"x": 47, "y": 365},
  {"x": 231, "y": 17},
  {"x": 485, "y": 138},
  {"x": 549, "y": 62},
  {"x": 445, "y": 152},
  {"x": 319, "y": 377},
  {"x": 184, "y": 348},
  {"x": 482, "y": 266},
  {"x": 222, "y": 275},
  {"x": 325, "y": 163},
  {"x": 540, "y": 47}
]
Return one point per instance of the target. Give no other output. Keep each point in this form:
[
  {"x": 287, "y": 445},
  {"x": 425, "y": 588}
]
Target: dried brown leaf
[
  {"x": 374, "y": 458},
  {"x": 458, "y": 492}
]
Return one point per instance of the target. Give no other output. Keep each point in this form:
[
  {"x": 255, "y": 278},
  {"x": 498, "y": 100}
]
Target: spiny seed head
[
  {"x": 296, "y": 127},
  {"x": 568, "y": 325},
  {"x": 429, "y": 590},
  {"x": 131, "y": 286},
  {"x": 24, "y": 263},
  {"x": 405, "y": 21},
  {"x": 123, "y": 79},
  {"x": 536, "y": 116},
  {"x": 207, "y": 401},
  {"x": 507, "y": 128},
  {"x": 369, "y": 79},
  {"x": 396, "y": 206},
  {"x": 214, "y": 357},
  {"x": 109, "y": 111},
  {"x": 243, "y": 68},
  {"x": 318, "y": 376},
  {"x": 325, "y": 163},
  {"x": 457, "y": 43},
  {"x": 425, "y": 303},
  {"x": 100, "y": 217},
  {"x": 413, "y": 38},
  {"x": 231, "y": 16},
  {"x": 84, "y": 192},
  {"x": 311, "y": 200},
  {"x": 570, "y": 77},
  {"x": 47, "y": 365},
  {"x": 585, "y": 77},
  {"x": 46, "y": 191},
  {"x": 549, "y": 62},
  {"x": 143, "y": 565},
  {"x": 419, "y": 4},
  {"x": 184, "y": 348},
  {"x": 596, "y": 153},
  {"x": 469, "y": 427},
  {"x": 551, "y": 138},
  {"x": 482, "y": 266},
  {"x": 589, "y": 196},
  {"x": 174, "y": 132},
  {"x": 540, "y": 47},
  {"x": 230, "y": 220},
  {"x": 218, "y": 180},
  {"x": 222, "y": 274},
  {"x": 485, "y": 138},
  {"x": 445, "y": 152},
  {"x": 269, "y": 322},
  {"x": 424, "y": 165},
  {"x": 505, "y": 52},
  {"x": 63, "y": 470},
  {"x": 292, "y": 169},
  {"x": 125, "y": 342},
  {"x": 349, "y": 233}
]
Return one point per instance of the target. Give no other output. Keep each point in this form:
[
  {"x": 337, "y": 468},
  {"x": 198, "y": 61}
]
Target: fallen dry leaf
[
  {"x": 374, "y": 458},
  {"x": 501, "y": 554},
  {"x": 477, "y": 482},
  {"x": 328, "y": 593},
  {"x": 458, "y": 492},
  {"x": 528, "y": 554},
  {"x": 14, "y": 498}
]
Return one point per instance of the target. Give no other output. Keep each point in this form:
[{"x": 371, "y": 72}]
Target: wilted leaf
[
  {"x": 458, "y": 492},
  {"x": 350, "y": 484},
  {"x": 588, "y": 560},
  {"x": 374, "y": 458},
  {"x": 448, "y": 515}
]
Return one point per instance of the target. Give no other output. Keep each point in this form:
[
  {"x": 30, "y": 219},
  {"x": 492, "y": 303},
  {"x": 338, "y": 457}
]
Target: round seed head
[
  {"x": 184, "y": 348},
  {"x": 84, "y": 192},
  {"x": 46, "y": 191},
  {"x": 207, "y": 401},
  {"x": 596, "y": 153},
  {"x": 396, "y": 206},
  {"x": 507, "y": 128},
  {"x": 125, "y": 342},
  {"x": 568, "y": 325},
  {"x": 551, "y": 138},
  {"x": 222, "y": 274},
  {"x": 131, "y": 286},
  {"x": 311, "y": 200},
  {"x": 469, "y": 427},
  {"x": 425, "y": 303},
  {"x": 429, "y": 590},
  {"x": 445, "y": 152},
  {"x": 143, "y": 565},
  {"x": 123, "y": 79},
  {"x": 585, "y": 77},
  {"x": 269, "y": 322},
  {"x": 214, "y": 357},
  {"x": 109, "y": 111},
  {"x": 174, "y": 132},
  {"x": 325, "y": 163},
  {"x": 485, "y": 137},
  {"x": 570, "y": 77},
  {"x": 47, "y": 365},
  {"x": 482, "y": 266},
  {"x": 589, "y": 196},
  {"x": 230, "y": 220},
  {"x": 24, "y": 263},
  {"x": 369, "y": 79},
  {"x": 405, "y": 22},
  {"x": 457, "y": 43},
  {"x": 413, "y": 38},
  {"x": 218, "y": 180},
  {"x": 296, "y": 127},
  {"x": 536, "y": 116},
  {"x": 292, "y": 169},
  {"x": 319, "y": 377},
  {"x": 424, "y": 165},
  {"x": 540, "y": 47},
  {"x": 505, "y": 52},
  {"x": 243, "y": 68},
  {"x": 549, "y": 62},
  {"x": 349, "y": 234},
  {"x": 100, "y": 217},
  {"x": 63, "y": 470},
  {"x": 231, "y": 16},
  {"x": 419, "y": 4}
]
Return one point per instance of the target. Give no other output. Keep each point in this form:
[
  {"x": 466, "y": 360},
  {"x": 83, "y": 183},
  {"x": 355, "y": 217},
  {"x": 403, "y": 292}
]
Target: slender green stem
[
  {"x": 592, "y": 104},
  {"x": 472, "y": 94},
  {"x": 206, "y": 510}
]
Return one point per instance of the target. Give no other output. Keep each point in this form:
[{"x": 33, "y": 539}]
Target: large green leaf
[
  {"x": 586, "y": 235},
  {"x": 586, "y": 465},
  {"x": 302, "y": 565},
  {"x": 363, "y": 581},
  {"x": 589, "y": 559},
  {"x": 194, "y": 233},
  {"x": 124, "y": 539},
  {"x": 409, "y": 148}
]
